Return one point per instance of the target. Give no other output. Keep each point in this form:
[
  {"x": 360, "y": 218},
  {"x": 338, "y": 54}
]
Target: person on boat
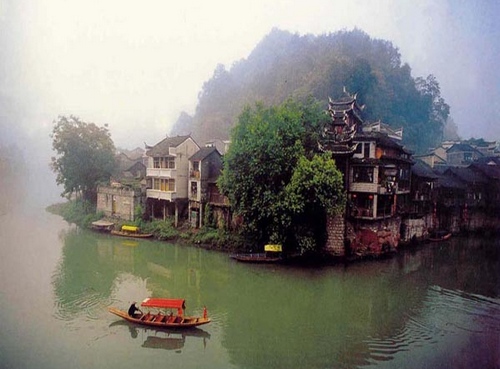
[{"x": 133, "y": 308}]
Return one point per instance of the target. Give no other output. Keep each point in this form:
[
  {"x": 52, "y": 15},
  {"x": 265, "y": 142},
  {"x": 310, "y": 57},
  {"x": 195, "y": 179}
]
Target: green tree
[
  {"x": 265, "y": 146},
  {"x": 85, "y": 156},
  {"x": 438, "y": 110},
  {"x": 267, "y": 159},
  {"x": 314, "y": 192}
]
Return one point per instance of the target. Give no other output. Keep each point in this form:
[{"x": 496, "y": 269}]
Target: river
[{"x": 431, "y": 306}]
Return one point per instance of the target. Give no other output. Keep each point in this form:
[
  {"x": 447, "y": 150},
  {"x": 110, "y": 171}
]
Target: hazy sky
[{"x": 136, "y": 65}]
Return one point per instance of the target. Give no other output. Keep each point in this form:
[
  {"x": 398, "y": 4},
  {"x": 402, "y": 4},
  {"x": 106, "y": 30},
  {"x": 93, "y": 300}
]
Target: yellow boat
[{"x": 130, "y": 231}]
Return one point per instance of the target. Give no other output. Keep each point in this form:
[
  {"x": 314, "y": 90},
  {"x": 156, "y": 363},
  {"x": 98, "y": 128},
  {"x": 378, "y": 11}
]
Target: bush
[
  {"x": 161, "y": 229},
  {"x": 79, "y": 212},
  {"x": 219, "y": 239}
]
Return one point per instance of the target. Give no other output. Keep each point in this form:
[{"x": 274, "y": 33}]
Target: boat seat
[
  {"x": 170, "y": 319},
  {"x": 146, "y": 317},
  {"x": 158, "y": 318}
]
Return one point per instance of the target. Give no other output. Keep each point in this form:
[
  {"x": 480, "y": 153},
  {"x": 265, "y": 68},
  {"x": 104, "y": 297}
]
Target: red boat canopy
[{"x": 178, "y": 304}]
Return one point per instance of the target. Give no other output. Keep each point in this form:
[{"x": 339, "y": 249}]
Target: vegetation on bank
[{"x": 83, "y": 213}]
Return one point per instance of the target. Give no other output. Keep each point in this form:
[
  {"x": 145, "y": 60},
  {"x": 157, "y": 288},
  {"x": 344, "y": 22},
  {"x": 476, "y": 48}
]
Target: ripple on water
[
  {"x": 87, "y": 305},
  {"x": 444, "y": 312}
]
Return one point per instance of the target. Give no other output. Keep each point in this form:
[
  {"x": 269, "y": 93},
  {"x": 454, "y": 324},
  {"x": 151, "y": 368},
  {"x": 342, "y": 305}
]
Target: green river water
[{"x": 431, "y": 306}]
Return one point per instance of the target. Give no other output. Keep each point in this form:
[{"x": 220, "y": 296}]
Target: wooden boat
[
  {"x": 439, "y": 235},
  {"x": 130, "y": 231},
  {"x": 161, "y": 319},
  {"x": 256, "y": 258},
  {"x": 102, "y": 226},
  {"x": 272, "y": 254}
]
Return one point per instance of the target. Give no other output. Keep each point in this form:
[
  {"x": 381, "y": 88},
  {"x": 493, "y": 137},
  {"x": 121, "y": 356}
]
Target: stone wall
[
  {"x": 335, "y": 244},
  {"x": 372, "y": 237},
  {"x": 118, "y": 202}
]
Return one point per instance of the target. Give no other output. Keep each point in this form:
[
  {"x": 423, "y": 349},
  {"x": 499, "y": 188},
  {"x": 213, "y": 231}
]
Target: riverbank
[{"x": 82, "y": 214}]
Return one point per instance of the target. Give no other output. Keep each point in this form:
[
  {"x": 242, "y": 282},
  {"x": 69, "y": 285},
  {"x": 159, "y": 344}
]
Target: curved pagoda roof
[{"x": 345, "y": 105}]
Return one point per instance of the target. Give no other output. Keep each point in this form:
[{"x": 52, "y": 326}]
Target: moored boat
[
  {"x": 160, "y": 318},
  {"x": 272, "y": 254},
  {"x": 256, "y": 258},
  {"x": 102, "y": 226},
  {"x": 130, "y": 231}
]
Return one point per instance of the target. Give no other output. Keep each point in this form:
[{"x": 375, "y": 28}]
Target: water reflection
[
  {"x": 97, "y": 271},
  {"x": 83, "y": 279},
  {"x": 433, "y": 300},
  {"x": 165, "y": 339}
]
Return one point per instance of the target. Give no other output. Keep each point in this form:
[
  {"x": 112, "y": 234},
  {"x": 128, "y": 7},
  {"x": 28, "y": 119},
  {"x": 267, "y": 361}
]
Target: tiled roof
[
  {"x": 461, "y": 147},
  {"x": 202, "y": 153},
  {"x": 466, "y": 175},
  {"x": 162, "y": 147},
  {"x": 345, "y": 103},
  {"x": 489, "y": 167},
  {"x": 423, "y": 170},
  {"x": 450, "y": 182}
]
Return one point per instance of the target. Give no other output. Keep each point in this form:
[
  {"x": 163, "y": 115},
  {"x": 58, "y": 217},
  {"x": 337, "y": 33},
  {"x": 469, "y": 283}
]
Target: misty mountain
[{"x": 285, "y": 65}]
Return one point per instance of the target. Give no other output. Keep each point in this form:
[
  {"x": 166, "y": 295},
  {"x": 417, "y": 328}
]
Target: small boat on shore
[
  {"x": 160, "y": 318},
  {"x": 130, "y": 231},
  {"x": 102, "y": 226}
]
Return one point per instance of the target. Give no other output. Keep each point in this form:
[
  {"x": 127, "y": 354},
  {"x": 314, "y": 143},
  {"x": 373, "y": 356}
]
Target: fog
[{"x": 136, "y": 65}]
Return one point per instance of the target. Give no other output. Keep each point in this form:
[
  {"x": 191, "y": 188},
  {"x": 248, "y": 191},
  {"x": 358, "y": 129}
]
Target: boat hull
[
  {"x": 256, "y": 258},
  {"x": 160, "y": 321},
  {"x": 131, "y": 235}
]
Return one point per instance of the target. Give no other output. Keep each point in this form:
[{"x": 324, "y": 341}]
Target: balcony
[
  {"x": 362, "y": 213},
  {"x": 193, "y": 196},
  {"x": 363, "y": 187},
  {"x": 161, "y": 172},
  {"x": 217, "y": 198},
  {"x": 161, "y": 195},
  {"x": 194, "y": 174}
]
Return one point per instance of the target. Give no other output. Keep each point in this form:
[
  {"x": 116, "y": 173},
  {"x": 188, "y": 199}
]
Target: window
[
  {"x": 164, "y": 184},
  {"x": 167, "y": 163},
  {"x": 171, "y": 184},
  {"x": 362, "y": 174},
  {"x": 362, "y": 205},
  {"x": 404, "y": 174},
  {"x": 366, "y": 150},
  {"x": 194, "y": 189},
  {"x": 156, "y": 183}
]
